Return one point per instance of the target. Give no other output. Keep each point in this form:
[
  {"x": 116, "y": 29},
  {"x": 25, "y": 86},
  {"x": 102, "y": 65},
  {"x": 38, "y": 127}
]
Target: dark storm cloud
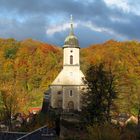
[
  {"x": 131, "y": 29},
  {"x": 31, "y": 28},
  {"x": 30, "y": 18},
  {"x": 40, "y": 6}
]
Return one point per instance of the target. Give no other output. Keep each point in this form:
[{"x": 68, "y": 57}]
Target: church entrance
[
  {"x": 71, "y": 105},
  {"x": 59, "y": 103}
]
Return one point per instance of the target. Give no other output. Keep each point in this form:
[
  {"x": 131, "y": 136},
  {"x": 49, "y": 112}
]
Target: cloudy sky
[{"x": 95, "y": 21}]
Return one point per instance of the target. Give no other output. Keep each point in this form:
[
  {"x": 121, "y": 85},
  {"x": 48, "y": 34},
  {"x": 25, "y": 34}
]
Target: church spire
[
  {"x": 71, "y": 40},
  {"x": 71, "y": 25}
]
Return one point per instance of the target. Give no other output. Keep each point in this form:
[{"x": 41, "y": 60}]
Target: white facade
[
  {"x": 66, "y": 88},
  {"x": 67, "y": 53}
]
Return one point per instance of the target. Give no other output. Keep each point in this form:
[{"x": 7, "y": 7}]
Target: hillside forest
[{"x": 28, "y": 67}]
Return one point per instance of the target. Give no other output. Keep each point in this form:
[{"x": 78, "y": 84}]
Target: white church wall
[
  {"x": 68, "y": 98},
  {"x": 71, "y": 51},
  {"x": 56, "y": 95},
  {"x": 62, "y": 94}
]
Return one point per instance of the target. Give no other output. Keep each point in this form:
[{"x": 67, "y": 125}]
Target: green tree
[{"x": 98, "y": 97}]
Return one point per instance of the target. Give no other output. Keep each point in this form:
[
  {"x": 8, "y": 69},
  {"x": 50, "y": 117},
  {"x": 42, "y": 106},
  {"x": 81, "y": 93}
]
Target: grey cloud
[
  {"x": 37, "y": 13},
  {"x": 31, "y": 28}
]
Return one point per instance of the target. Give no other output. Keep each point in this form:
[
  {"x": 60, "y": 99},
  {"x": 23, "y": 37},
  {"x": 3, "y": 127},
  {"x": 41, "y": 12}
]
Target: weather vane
[{"x": 71, "y": 18}]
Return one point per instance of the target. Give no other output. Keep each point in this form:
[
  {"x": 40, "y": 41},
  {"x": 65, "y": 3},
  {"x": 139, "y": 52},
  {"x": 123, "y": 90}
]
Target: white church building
[{"x": 65, "y": 90}]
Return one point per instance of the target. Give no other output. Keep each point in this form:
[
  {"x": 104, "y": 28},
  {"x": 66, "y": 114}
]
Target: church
[{"x": 65, "y": 90}]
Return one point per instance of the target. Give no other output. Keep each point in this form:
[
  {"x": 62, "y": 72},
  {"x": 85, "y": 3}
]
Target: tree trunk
[
  {"x": 108, "y": 111},
  {"x": 139, "y": 117}
]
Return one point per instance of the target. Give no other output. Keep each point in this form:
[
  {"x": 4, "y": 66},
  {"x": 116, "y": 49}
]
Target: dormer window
[{"x": 71, "y": 59}]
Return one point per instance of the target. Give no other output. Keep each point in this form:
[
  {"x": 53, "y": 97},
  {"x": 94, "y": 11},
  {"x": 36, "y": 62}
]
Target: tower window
[
  {"x": 59, "y": 92},
  {"x": 71, "y": 93},
  {"x": 71, "y": 59}
]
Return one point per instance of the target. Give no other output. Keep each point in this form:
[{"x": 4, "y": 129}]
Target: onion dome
[{"x": 71, "y": 40}]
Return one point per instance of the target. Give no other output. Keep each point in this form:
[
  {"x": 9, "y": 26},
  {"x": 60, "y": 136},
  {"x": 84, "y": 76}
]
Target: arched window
[
  {"x": 71, "y": 59},
  {"x": 59, "y": 103},
  {"x": 71, "y": 93},
  {"x": 71, "y": 105}
]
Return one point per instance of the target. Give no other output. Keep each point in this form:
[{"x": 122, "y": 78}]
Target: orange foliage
[
  {"x": 45, "y": 48},
  {"x": 36, "y": 64}
]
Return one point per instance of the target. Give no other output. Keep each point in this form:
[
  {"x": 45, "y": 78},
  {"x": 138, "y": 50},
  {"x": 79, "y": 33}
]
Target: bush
[
  {"x": 131, "y": 126},
  {"x": 10, "y": 53},
  {"x": 103, "y": 132},
  {"x": 129, "y": 135}
]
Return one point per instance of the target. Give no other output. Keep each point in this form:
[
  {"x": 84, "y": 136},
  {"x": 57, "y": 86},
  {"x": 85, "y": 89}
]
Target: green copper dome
[{"x": 71, "y": 40}]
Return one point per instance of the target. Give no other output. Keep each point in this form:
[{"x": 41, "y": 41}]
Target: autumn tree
[
  {"x": 99, "y": 96},
  {"x": 11, "y": 94}
]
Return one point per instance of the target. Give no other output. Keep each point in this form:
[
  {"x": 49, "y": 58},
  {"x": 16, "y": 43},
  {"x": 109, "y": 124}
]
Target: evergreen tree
[{"x": 99, "y": 95}]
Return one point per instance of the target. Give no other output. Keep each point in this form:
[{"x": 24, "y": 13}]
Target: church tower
[{"x": 66, "y": 88}]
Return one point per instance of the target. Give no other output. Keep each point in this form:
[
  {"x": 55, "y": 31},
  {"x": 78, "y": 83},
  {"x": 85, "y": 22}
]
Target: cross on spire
[{"x": 71, "y": 24}]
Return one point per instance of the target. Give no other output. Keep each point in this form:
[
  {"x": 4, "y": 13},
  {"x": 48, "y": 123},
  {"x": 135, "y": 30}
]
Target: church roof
[
  {"x": 71, "y": 40},
  {"x": 69, "y": 76}
]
